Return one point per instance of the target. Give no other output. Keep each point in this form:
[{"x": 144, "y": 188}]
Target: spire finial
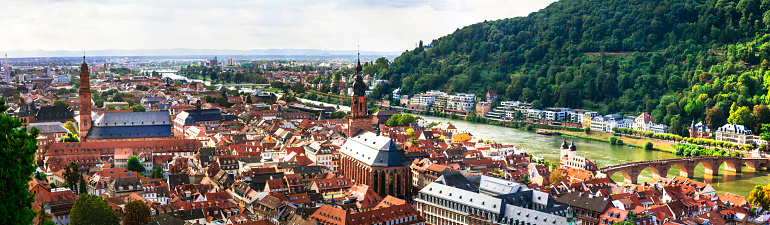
[
  {"x": 84, "y": 56},
  {"x": 358, "y": 66}
]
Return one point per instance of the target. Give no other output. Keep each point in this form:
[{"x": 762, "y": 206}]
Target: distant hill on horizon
[{"x": 191, "y": 52}]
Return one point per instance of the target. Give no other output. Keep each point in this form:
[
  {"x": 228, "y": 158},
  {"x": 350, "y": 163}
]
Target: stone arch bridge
[{"x": 686, "y": 166}]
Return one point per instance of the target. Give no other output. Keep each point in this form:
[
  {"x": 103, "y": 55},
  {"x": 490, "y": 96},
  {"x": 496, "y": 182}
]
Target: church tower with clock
[
  {"x": 359, "y": 118},
  {"x": 85, "y": 100}
]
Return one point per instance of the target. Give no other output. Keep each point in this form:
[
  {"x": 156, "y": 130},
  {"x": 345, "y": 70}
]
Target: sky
[{"x": 374, "y": 25}]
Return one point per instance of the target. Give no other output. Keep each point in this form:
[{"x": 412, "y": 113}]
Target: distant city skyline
[{"x": 386, "y": 26}]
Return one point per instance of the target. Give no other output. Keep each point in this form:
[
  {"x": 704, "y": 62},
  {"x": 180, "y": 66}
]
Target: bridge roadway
[
  {"x": 245, "y": 85},
  {"x": 659, "y": 168}
]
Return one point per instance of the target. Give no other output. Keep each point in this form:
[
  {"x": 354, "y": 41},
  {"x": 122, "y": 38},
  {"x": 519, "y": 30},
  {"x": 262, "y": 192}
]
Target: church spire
[
  {"x": 359, "y": 87},
  {"x": 359, "y": 67}
]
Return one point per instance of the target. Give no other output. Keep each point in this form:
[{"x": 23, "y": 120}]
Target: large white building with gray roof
[
  {"x": 496, "y": 186},
  {"x": 449, "y": 201}
]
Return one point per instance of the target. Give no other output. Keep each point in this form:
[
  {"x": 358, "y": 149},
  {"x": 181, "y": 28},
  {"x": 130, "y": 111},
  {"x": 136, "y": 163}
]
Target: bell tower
[
  {"x": 359, "y": 118},
  {"x": 84, "y": 96}
]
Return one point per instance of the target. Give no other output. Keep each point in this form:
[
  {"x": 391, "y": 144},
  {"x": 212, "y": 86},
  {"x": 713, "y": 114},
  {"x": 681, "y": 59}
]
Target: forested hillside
[{"x": 679, "y": 60}]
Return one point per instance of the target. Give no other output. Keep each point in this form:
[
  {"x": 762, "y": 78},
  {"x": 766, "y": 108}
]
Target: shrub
[{"x": 648, "y": 145}]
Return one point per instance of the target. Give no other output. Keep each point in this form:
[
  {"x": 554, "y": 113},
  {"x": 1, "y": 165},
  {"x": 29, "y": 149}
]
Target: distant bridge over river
[
  {"x": 659, "y": 168},
  {"x": 254, "y": 86}
]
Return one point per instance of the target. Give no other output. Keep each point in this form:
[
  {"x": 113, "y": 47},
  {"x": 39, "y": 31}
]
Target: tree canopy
[
  {"x": 70, "y": 137},
  {"x": 136, "y": 213},
  {"x": 134, "y": 164},
  {"x": 157, "y": 172},
  {"x": 401, "y": 120},
  {"x": 72, "y": 176},
  {"x": 71, "y": 127},
  {"x": 138, "y": 108},
  {"x": 17, "y": 163},
  {"x": 760, "y": 196},
  {"x": 92, "y": 209}
]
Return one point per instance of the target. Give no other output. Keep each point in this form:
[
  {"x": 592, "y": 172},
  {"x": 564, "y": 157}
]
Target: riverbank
[
  {"x": 605, "y": 154},
  {"x": 659, "y": 145}
]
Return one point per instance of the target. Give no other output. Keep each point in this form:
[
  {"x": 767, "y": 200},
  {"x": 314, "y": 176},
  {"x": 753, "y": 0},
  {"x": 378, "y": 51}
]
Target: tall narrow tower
[
  {"x": 85, "y": 100},
  {"x": 6, "y": 71},
  {"x": 359, "y": 118}
]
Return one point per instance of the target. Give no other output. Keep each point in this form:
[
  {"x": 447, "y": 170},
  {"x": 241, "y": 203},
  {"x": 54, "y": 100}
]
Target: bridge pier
[
  {"x": 710, "y": 171},
  {"x": 686, "y": 170},
  {"x": 631, "y": 175},
  {"x": 711, "y": 168},
  {"x": 756, "y": 165},
  {"x": 659, "y": 171},
  {"x": 734, "y": 166},
  {"x": 632, "y": 180}
]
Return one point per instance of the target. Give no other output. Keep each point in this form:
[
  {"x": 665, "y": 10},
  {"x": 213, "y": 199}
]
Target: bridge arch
[
  {"x": 659, "y": 170},
  {"x": 711, "y": 168},
  {"x": 733, "y": 165},
  {"x": 684, "y": 169},
  {"x": 756, "y": 165},
  {"x": 627, "y": 178}
]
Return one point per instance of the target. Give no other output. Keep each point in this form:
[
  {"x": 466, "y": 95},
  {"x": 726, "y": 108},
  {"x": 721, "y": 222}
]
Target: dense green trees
[
  {"x": 82, "y": 188},
  {"x": 157, "y": 172},
  {"x": 71, "y": 127},
  {"x": 136, "y": 213},
  {"x": 400, "y": 120},
  {"x": 138, "y": 108},
  {"x": 134, "y": 164},
  {"x": 760, "y": 196},
  {"x": 70, "y": 137},
  {"x": 648, "y": 146},
  {"x": 673, "y": 59},
  {"x": 43, "y": 218},
  {"x": 17, "y": 163},
  {"x": 72, "y": 176},
  {"x": 59, "y": 103},
  {"x": 218, "y": 75},
  {"x": 92, "y": 209}
]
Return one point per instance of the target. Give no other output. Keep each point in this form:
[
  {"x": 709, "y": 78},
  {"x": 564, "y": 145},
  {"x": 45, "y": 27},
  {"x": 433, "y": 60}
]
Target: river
[
  {"x": 604, "y": 154},
  {"x": 173, "y": 75}
]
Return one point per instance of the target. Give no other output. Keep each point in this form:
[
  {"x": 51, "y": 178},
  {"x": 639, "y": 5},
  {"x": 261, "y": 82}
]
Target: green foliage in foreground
[{"x": 17, "y": 163}]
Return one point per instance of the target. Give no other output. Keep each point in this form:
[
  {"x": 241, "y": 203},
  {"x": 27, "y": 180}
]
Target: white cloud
[{"x": 375, "y": 25}]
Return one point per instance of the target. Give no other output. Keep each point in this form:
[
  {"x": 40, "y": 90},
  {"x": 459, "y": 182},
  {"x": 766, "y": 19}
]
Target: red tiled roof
[
  {"x": 333, "y": 183},
  {"x": 365, "y": 196}
]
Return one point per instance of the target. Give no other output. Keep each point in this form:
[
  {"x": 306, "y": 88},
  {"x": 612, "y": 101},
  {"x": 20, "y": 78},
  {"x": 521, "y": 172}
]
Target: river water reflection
[{"x": 604, "y": 154}]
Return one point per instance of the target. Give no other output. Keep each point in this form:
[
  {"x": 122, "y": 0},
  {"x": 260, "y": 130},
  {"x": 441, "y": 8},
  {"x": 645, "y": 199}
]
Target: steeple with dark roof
[
  {"x": 359, "y": 118},
  {"x": 359, "y": 88}
]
